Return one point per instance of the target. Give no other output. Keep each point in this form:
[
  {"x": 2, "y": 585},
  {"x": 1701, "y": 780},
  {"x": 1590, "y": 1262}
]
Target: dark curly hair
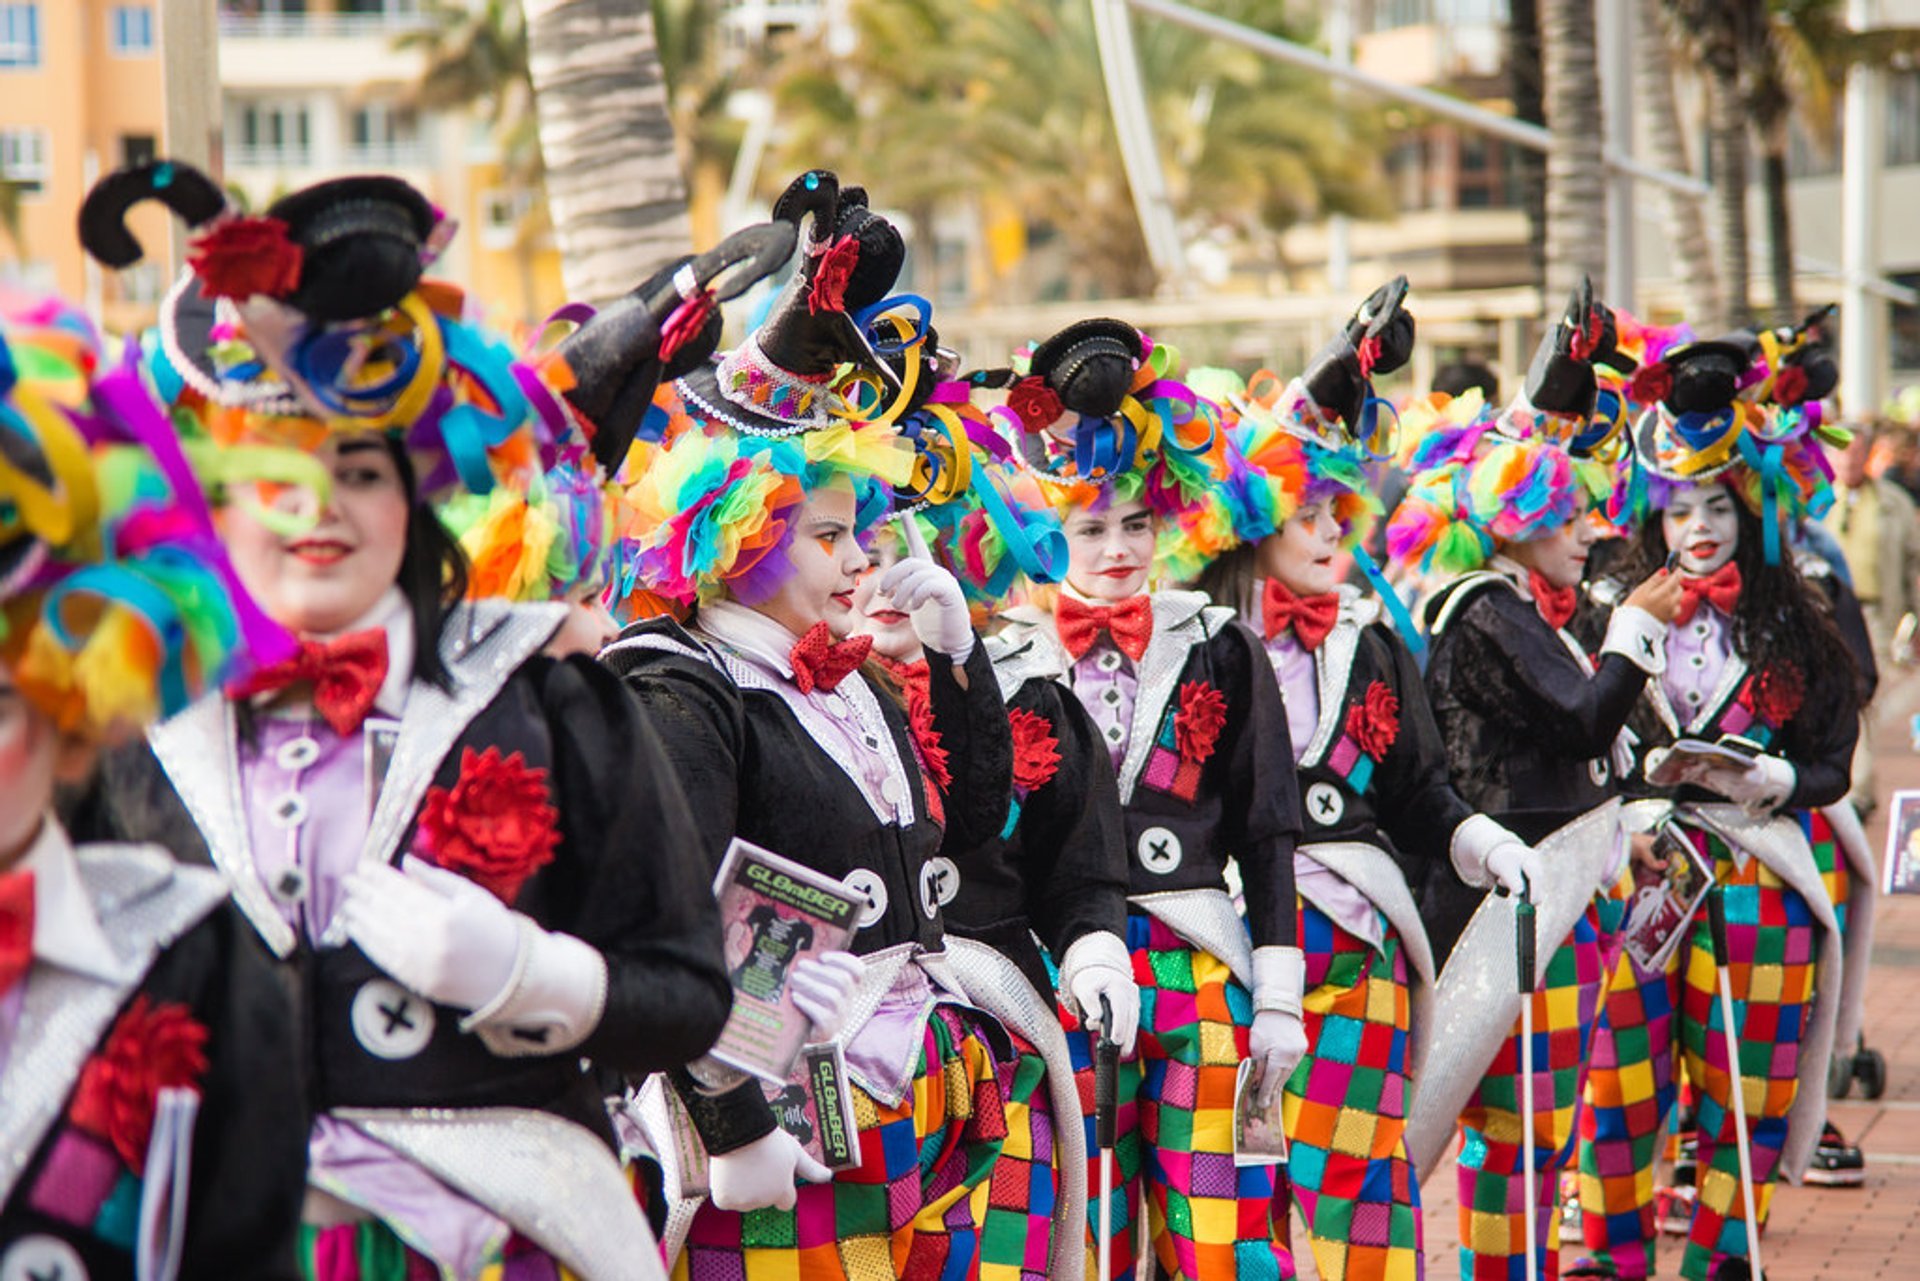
[{"x": 1781, "y": 620}]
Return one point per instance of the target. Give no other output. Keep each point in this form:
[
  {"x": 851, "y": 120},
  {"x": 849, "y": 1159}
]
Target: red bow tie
[
  {"x": 1130, "y": 623},
  {"x": 1310, "y": 617},
  {"x": 1720, "y": 589},
  {"x": 345, "y": 674},
  {"x": 820, "y": 662},
  {"x": 16, "y": 928},
  {"x": 1554, "y": 603}
]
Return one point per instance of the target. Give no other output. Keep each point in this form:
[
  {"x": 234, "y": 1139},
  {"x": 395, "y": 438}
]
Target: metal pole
[
  {"x": 1339, "y": 226},
  {"x": 1616, "y": 104},
  {"x": 190, "y": 79},
  {"x": 1862, "y": 315},
  {"x": 1139, "y": 155}
]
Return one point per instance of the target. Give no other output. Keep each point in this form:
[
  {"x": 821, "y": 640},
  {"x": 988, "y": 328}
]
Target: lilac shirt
[
  {"x": 1697, "y": 658},
  {"x": 1106, "y": 684},
  {"x": 1294, "y": 668}
]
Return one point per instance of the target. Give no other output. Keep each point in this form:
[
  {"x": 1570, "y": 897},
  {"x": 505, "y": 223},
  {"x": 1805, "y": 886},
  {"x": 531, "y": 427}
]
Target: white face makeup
[
  {"x": 323, "y": 579},
  {"x": 827, "y": 564},
  {"x": 1303, "y": 554},
  {"x": 873, "y": 611},
  {"x": 588, "y": 626},
  {"x": 1702, "y": 524},
  {"x": 1561, "y": 556},
  {"x": 1110, "y": 551}
]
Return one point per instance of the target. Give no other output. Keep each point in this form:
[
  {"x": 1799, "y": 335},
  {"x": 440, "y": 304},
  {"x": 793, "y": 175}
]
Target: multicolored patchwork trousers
[
  {"x": 1015, "y": 1207},
  {"x": 1650, "y": 1019},
  {"x": 1207, "y": 1217},
  {"x": 1492, "y": 1170},
  {"x": 908, "y": 1211},
  {"x": 1346, "y": 1108},
  {"x": 369, "y": 1251}
]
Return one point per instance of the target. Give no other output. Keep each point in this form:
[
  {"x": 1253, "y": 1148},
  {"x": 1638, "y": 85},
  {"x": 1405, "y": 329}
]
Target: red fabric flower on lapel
[
  {"x": 151, "y": 1048},
  {"x": 1197, "y": 725},
  {"x": 926, "y": 739},
  {"x": 1778, "y": 693},
  {"x": 495, "y": 826},
  {"x": 1036, "y": 750},
  {"x": 240, "y": 257},
  {"x": 1035, "y": 403},
  {"x": 1374, "y": 721}
]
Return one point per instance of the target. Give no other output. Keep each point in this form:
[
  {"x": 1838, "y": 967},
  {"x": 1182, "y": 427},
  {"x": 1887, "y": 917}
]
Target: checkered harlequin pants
[
  {"x": 370, "y": 1251},
  {"x": 1207, "y": 1218},
  {"x": 1015, "y": 1207},
  {"x": 1492, "y": 1168},
  {"x": 907, "y": 1211},
  {"x": 1648, "y": 1019},
  {"x": 1346, "y": 1108}
]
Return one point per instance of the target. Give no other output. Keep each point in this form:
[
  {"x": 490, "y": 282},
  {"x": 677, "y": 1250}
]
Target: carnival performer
[
  {"x": 474, "y": 857},
  {"x": 1379, "y": 811},
  {"x": 1756, "y": 666},
  {"x": 749, "y": 516},
  {"x": 1054, "y": 873},
  {"x": 1180, "y": 694},
  {"x": 154, "y": 1117},
  {"x": 1531, "y": 727}
]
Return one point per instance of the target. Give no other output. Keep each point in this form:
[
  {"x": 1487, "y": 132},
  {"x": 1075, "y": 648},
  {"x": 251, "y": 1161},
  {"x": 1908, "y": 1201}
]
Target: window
[
  {"x": 502, "y": 211},
  {"x": 138, "y": 149},
  {"x": 130, "y": 29},
  {"x": 23, "y": 158},
  {"x": 19, "y": 35},
  {"x": 384, "y": 133},
  {"x": 273, "y": 132},
  {"x": 1903, "y": 118}
]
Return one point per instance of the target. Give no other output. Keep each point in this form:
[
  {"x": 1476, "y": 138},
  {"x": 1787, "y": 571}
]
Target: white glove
[
  {"x": 434, "y": 931},
  {"x": 1764, "y": 785},
  {"x": 761, "y": 1174},
  {"x": 1277, "y": 1042},
  {"x": 938, "y": 606},
  {"x": 1098, "y": 965},
  {"x": 1486, "y": 854},
  {"x": 823, "y": 988},
  {"x": 1510, "y": 864}
]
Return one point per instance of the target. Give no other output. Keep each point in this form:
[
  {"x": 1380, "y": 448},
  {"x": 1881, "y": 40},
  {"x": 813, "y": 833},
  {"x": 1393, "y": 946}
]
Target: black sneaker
[
  {"x": 1836, "y": 1162},
  {"x": 1733, "y": 1268},
  {"x": 1587, "y": 1266}
]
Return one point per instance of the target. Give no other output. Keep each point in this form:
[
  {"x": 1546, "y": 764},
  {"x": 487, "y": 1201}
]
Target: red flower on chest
[
  {"x": 926, "y": 739},
  {"x": 151, "y": 1048},
  {"x": 1197, "y": 725},
  {"x": 1778, "y": 693},
  {"x": 496, "y": 825},
  {"x": 1036, "y": 750},
  {"x": 1374, "y": 721}
]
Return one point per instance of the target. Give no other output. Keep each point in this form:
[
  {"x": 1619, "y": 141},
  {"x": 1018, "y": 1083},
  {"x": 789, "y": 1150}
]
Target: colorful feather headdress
[{"x": 118, "y": 605}]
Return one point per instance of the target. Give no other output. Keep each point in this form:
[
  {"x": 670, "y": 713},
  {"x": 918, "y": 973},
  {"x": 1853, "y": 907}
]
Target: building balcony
[
  {"x": 317, "y": 50},
  {"x": 324, "y": 26}
]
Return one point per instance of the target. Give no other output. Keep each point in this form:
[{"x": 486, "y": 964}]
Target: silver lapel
[
  {"x": 144, "y": 902},
  {"x": 1179, "y": 622},
  {"x": 483, "y": 645},
  {"x": 199, "y": 749},
  {"x": 1024, "y": 652}
]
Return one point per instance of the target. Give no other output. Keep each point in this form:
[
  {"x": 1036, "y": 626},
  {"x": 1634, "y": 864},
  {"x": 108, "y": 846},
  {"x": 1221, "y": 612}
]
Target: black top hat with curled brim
[
  {"x": 1561, "y": 380},
  {"x": 1090, "y": 365},
  {"x": 1340, "y": 375},
  {"x": 773, "y": 383},
  {"x": 365, "y": 244}
]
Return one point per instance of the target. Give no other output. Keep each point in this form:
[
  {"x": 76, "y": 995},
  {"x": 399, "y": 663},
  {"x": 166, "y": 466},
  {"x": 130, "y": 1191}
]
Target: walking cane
[
  {"x": 1106, "y": 1127},
  {"x": 1723, "y": 973},
  {"x": 1524, "y": 946}
]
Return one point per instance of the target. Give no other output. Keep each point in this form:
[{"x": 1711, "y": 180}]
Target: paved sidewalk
[{"x": 1818, "y": 1234}]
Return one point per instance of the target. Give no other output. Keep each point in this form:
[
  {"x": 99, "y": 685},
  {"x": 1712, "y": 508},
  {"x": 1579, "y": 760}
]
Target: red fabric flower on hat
[
  {"x": 1374, "y": 721},
  {"x": 1650, "y": 383},
  {"x": 1789, "y": 385},
  {"x": 1367, "y": 356},
  {"x": 1036, "y": 750},
  {"x": 1035, "y": 403},
  {"x": 151, "y": 1048},
  {"x": 1197, "y": 725},
  {"x": 831, "y": 277},
  {"x": 1778, "y": 693},
  {"x": 495, "y": 826},
  {"x": 240, "y": 257}
]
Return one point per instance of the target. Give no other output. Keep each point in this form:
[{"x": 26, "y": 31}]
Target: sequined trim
[
  {"x": 144, "y": 902},
  {"x": 1333, "y": 666},
  {"x": 1181, "y": 620},
  {"x": 1476, "y": 1000},
  {"x": 1372, "y": 871},
  {"x": 1204, "y": 919},
  {"x": 551, "y": 1179}
]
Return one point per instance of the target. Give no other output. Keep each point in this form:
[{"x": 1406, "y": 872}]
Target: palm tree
[
  {"x": 1716, "y": 35},
  {"x": 1576, "y": 162},
  {"x": 1687, "y": 244},
  {"x": 618, "y": 196},
  {"x": 1529, "y": 104},
  {"x": 1003, "y": 105}
]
